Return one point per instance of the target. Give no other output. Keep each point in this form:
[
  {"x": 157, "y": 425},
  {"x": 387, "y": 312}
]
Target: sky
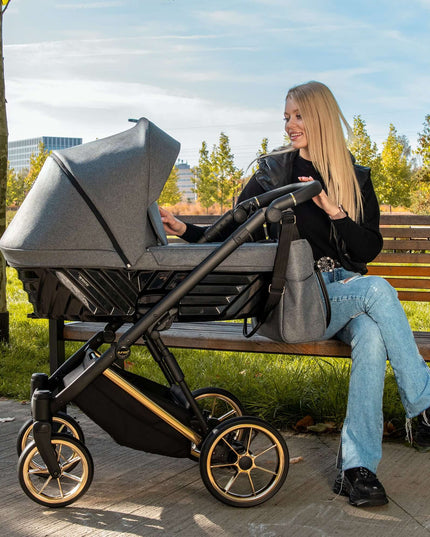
[{"x": 198, "y": 68}]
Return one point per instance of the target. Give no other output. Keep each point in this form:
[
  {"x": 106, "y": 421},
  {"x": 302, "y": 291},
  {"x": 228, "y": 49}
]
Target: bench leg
[{"x": 57, "y": 354}]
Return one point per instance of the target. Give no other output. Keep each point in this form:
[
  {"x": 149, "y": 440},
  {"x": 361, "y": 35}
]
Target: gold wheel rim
[
  {"x": 64, "y": 424},
  {"x": 246, "y": 464},
  {"x": 235, "y": 411},
  {"x": 68, "y": 485}
]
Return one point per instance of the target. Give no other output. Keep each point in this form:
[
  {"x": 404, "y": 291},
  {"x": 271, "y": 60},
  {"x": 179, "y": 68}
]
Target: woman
[{"x": 342, "y": 226}]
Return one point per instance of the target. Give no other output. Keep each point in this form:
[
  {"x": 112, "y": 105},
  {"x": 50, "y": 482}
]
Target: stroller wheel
[
  {"x": 62, "y": 423},
  {"x": 244, "y": 461},
  {"x": 217, "y": 406},
  {"x": 76, "y": 467}
]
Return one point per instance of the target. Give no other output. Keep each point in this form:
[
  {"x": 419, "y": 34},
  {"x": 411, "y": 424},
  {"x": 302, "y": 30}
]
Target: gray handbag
[{"x": 298, "y": 307}]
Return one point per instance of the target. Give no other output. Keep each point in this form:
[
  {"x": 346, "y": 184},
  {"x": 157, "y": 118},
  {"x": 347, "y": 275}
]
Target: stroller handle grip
[
  {"x": 212, "y": 233},
  {"x": 291, "y": 194},
  {"x": 242, "y": 211},
  {"x": 303, "y": 192}
]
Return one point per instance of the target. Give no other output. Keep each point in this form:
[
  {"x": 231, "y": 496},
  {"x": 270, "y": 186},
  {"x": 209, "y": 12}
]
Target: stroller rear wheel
[
  {"x": 217, "y": 405},
  {"x": 244, "y": 461},
  {"x": 76, "y": 467}
]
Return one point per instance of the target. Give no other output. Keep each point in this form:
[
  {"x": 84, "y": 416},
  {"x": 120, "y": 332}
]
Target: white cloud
[
  {"x": 90, "y": 5},
  {"x": 94, "y": 109}
]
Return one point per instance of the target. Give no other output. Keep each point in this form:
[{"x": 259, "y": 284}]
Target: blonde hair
[{"x": 322, "y": 119}]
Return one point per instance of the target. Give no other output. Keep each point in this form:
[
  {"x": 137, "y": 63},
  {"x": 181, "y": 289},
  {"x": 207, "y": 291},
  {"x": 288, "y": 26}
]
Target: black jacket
[{"x": 354, "y": 245}]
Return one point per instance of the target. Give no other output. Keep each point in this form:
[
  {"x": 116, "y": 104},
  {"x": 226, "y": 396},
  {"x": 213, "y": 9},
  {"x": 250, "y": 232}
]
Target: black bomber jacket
[
  {"x": 356, "y": 244},
  {"x": 276, "y": 170}
]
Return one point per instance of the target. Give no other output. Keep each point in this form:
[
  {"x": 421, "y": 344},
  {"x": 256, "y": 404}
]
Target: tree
[
  {"x": 15, "y": 192},
  {"x": 362, "y": 148},
  {"x": 421, "y": 197},
  {"x": 264, "y": 148},
  {"x": 19, "y": 184},
  {"x": 37, "y": 160},
  {"x": 216, "y": 178},
  {"x": 228, "y": 177},
  {"x": 171, "y": 194},
  {"x": 204, "y": 178},
  {"x": 4, "y": 314},
  {"x": 395, "y": 189}
]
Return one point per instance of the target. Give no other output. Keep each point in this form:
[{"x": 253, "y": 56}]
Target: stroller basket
[{"x": 130, "y": 423}]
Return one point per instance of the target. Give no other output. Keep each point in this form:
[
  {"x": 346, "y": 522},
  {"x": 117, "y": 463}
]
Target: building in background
[
  {"x": 20, "y": 151},
  {"x": 185, "y": 185}
]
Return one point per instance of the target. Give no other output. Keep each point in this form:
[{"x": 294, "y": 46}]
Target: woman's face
[{"x": 295, "y": 128}]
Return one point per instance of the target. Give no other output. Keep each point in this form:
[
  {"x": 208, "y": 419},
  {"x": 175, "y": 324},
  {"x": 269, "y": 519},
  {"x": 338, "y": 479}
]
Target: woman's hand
[
  {"x": 172, "y": 226},
  {"x": 324, "y": 203}
]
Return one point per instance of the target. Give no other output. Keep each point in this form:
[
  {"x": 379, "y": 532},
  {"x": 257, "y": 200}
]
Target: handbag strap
[
  {"x": 325, "y": 295},
  {"x": 287, "y": 234}
]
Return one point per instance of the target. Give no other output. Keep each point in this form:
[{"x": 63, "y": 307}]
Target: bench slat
[
  {"x": 226, "y": 336},
  {"x": 399, "y": 270},
  {"x": 404, "y": 244},
  {"x": 401, "y": 233},
  {"x": 411, "y": 258},
  {"x": 405, "y": 219},
  {"x": 401, "y": 283}
]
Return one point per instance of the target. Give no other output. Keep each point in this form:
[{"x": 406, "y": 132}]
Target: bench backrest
[{"x": 404, "y": 260}]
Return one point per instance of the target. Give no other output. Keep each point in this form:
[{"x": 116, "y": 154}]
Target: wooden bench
[{"x": 404, "y": 261}]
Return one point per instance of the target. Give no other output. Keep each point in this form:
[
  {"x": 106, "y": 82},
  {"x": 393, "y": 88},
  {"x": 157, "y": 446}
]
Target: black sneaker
[
  {"x": 421, "y": 440},
  {"x": 362, "y": 487}
]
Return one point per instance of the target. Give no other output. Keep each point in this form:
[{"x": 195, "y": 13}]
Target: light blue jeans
[{"x": 367, "y": 314}]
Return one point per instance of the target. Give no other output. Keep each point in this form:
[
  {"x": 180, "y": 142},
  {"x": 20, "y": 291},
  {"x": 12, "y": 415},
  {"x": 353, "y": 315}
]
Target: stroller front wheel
[
  {"x": 76, "y": 467},
  {"x": 244, "y": 461},
  {"x": 62, "y": 423}
]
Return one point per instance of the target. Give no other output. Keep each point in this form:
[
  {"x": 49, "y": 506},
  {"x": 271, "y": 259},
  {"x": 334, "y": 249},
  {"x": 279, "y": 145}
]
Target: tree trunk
[{"x": 4, "y": 314}]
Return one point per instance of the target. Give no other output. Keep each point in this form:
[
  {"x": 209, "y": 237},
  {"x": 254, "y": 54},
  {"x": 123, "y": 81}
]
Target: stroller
[{"x": 89, "y": 245}]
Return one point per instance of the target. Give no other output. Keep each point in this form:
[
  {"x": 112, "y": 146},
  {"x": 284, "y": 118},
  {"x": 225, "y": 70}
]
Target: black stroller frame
[{"x": 243, "y": 460}]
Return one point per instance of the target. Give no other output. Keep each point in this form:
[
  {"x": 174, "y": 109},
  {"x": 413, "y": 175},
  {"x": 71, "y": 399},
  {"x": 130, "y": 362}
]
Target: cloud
[
  {"x": 95, "y": 109},
  {"x": 91, "y": 5},
  {"x": 231, "y": 18}
]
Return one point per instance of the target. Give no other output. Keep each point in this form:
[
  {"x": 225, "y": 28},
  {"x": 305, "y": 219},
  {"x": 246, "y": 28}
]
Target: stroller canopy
[{"x": 89, "y": 205}]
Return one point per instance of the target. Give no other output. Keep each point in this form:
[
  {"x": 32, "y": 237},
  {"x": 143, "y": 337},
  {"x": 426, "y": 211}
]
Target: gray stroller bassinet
[{"x": 88, "y": 241}]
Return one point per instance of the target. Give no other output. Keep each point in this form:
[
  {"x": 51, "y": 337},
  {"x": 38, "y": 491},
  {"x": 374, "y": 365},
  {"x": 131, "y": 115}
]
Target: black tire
[
  {"x": 244, "y": 461},
  {"x": 73, "y": 456},
  {"x": 217, "y": 406},
  {"x": 62, "y": 423}
]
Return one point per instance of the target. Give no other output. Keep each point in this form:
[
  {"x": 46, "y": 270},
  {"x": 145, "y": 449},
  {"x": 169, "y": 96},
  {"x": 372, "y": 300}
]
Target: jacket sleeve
[
  {"x": 362, "y": 241},
  {"x": 193, "y": 233}
]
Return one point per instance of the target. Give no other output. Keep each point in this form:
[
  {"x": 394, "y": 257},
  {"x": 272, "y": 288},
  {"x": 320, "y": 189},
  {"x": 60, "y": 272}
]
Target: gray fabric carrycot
[
  {"x": 88, "y": 242},
  {"x": 89, "y": 205}
]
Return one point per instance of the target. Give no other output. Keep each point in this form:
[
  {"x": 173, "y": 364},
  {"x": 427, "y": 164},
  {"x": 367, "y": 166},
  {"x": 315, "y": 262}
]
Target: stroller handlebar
[
  {"x": 242, "y": 211},
  {"x": 276, "y": 201},
  {"x": 303, "y": 192}
]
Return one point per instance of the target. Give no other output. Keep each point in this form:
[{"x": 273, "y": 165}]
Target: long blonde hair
[{"x": 323, "y": 118}]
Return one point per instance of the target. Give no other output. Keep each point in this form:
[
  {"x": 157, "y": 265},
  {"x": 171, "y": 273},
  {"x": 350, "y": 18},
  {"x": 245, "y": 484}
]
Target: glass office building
[
  {"x": 185, "y": 184},
  {"x": 19, "y": 152}
]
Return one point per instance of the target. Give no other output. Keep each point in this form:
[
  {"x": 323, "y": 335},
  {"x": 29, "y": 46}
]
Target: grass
[{"x": 280, "y": 389}]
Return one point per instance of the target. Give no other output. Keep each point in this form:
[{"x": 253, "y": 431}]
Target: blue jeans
[{"x": 367, "y": 314}]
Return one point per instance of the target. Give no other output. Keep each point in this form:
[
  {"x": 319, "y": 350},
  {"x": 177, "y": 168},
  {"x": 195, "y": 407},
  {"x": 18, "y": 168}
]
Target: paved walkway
[{"x": 137, "y": 494}]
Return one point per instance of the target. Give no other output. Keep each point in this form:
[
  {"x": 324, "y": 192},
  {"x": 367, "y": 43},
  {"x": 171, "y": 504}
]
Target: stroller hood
[{"x": 89, "y": 205}]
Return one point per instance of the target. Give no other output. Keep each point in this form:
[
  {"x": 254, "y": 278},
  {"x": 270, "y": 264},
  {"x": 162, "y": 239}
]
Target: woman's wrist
[{"x": 341, "y": 213}]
